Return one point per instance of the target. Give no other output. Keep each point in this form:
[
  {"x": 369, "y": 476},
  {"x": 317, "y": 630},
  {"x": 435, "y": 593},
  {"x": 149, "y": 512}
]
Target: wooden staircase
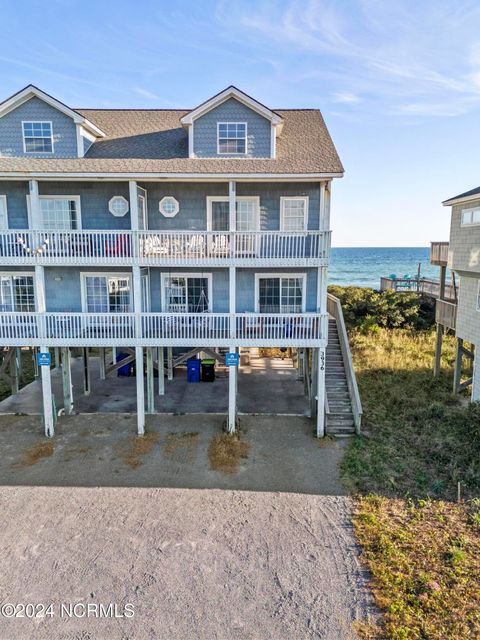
[{"x": 340, "y": 420}]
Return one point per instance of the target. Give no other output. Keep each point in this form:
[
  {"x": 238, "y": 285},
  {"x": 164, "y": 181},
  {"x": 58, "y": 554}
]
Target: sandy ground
[{"x": 194, "y": 564}]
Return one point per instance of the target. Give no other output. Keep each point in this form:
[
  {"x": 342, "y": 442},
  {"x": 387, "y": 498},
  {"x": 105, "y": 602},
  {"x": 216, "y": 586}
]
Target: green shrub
[{"x": 367, "y": 309}]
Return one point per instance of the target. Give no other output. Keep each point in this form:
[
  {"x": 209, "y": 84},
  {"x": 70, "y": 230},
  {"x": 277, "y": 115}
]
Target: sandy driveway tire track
[{"x": 195, "y": 563}]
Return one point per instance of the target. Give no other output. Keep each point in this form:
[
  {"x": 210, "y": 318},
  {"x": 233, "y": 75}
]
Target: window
[
  {"x": 168, "y": 207},
  {"x": 60, "y": 213},
  {"x": 478, "y": 296},
  {"x": 3, "y": 213},
  {"x": 470, "y": 216},
  {"x": 186, "y": 293},
  {"x": 293, "y": 214},
  {"x": 37, "y": 137},
  {"x": 280, "y": 294},
  {"x": 107, "y": 294},
  {"x": 231, "y": 137},
  {"x": 17, "y": 293},
  {"x": 118, "y": 206}
]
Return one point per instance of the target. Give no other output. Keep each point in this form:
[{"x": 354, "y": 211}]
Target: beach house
[
  {"x": 152, "y": 230},
  {"x": 464, "y": 260}
]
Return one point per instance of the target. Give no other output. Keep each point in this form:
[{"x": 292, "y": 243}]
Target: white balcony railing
[
  {"x": 162, "y": 329},
  {"x": 163, "y": 247}
]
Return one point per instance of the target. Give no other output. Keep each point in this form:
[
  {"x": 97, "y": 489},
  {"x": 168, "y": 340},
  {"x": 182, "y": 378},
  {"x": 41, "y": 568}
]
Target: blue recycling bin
[
  {"x": 193, "y": 370},
  {"x": 127, "y": 369}
]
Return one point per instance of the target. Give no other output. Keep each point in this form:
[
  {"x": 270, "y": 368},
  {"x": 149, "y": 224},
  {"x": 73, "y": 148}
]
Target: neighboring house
[
  {"x": 162, "y": 228},
  {"x": 464, "y": 260}
]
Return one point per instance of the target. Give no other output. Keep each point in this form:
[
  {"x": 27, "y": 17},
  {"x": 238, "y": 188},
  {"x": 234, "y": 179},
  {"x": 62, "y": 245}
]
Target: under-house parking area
[{"x": 268, "y": 383}]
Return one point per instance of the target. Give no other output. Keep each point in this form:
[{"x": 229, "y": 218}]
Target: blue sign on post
[
  {"x": 231, "y": 359},
  {"x": 44, "y": 359}
]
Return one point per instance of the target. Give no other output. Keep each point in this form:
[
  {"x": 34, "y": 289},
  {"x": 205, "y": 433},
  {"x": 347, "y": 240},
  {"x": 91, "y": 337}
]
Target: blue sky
[{"x": 398, "y": 84}]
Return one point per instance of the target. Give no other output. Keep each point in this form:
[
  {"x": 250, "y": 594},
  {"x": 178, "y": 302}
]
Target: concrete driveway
[{"x": 265, "y": 385}]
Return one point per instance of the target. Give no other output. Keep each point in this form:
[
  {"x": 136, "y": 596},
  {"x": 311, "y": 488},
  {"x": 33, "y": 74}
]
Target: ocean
[{"x": 364, "y": 266}]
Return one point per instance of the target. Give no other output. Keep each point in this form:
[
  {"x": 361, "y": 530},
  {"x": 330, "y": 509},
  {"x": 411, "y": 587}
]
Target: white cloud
[
  {"x": 411, "y": 58},
  {"x": 346, "y": 97}
]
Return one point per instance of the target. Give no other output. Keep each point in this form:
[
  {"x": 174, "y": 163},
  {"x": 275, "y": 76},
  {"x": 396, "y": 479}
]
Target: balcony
[
  {"x": 439, "y": 253},
  {"x": 165, "y": 248},
  {"x": 446, "y": 313},
  {"x": 162, "y": 329}
]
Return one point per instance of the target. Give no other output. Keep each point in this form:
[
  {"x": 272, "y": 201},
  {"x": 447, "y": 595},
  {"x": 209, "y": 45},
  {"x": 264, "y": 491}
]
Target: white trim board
[
  {"x": 223, "y": 96},
  {"x": 31, "y": 91},
  {"x": 3, "y": 213},
  {"x": 155, "y": 177}
]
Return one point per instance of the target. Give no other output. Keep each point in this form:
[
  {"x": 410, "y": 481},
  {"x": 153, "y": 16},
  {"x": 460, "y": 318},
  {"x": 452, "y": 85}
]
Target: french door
[{"x": 247, "y": 220}]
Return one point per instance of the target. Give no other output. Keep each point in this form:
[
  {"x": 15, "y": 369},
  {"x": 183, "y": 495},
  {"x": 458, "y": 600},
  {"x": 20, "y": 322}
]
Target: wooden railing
[
  {"x": 162, "y": 247},
  {"x": 169, "y": 329},
  {"x": 424, "y": 286},
  {"x": 446, "y": 313},
  {"x": 439, "y": 253},
  {"x": 334, "y": 308}
]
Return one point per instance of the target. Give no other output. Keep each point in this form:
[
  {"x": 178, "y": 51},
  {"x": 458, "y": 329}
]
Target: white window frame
[
  {"x": 260, "y": 276},
  {"x": 24, "y": 122},
  {"x": 22, "y": 274},
  {"x": 103, "y": 274},
  {"x": 478, "y": 296},
  {"x": 255, "y": 199},
  {"x": 3, "y": 212},
  {"x": 232, "y": 153},
  {"x": 191, "y": 274},
  {"x": 471, "y": 211},
  {"x": 56, "y": 197},
  {"x": 283, "y": 200},
  {"x": 111, "y": 205},
  {"x": 166, "y": 214}
]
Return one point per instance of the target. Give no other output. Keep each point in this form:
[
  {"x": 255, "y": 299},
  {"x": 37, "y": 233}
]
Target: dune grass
[
  {"x": 424, "y": 557},
  {"x": 420, "y": 440}
]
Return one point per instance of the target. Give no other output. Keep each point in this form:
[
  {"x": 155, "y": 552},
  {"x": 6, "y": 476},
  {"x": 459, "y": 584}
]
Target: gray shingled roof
[
  {"x": 153, "y": 141},
  {"x": 472, "y": 192}
]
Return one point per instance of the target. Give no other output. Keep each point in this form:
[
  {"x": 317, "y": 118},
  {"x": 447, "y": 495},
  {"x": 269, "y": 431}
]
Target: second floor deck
[
  {"x": 165, "y": 329},
  {"x": 164, "y": 248}
]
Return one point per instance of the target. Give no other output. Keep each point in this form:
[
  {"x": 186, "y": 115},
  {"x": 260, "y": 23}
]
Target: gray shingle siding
[
  {"x": 464, "y": 249},
  {"x": 258, "y": 130},
  {"x": 63, "y": 127},
  {"x": 468, "y": 318}
]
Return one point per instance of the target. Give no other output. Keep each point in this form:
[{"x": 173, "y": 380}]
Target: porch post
[
  {"x": 320, "y": 393},
  {"x": 476, "y": 377},
  {"x": 45, "y": 371},
  {"x": 140, "y": 391},
  {"x": 232, "y": 371},
  {"x": 67, "y": 381},
  {"x": 161, "y": 372},
  {"x": 169, "y": 363},
  {"x": 102, "y": 364},
  {"x": 457, "y": 372},
  {"x": 35, "y": 213},
  {"x": 150, "y": 382},
  {"x": 86, "y": 371}
]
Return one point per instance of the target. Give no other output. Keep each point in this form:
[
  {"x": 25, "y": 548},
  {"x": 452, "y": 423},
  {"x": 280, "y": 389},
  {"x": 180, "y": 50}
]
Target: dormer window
[
  {"x": 37, "y": 137},
  {"x": 232, "y": 138}
]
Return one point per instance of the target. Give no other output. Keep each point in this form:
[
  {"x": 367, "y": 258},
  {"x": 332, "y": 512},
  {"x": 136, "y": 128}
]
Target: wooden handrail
[{"x": 334, "y": 308}]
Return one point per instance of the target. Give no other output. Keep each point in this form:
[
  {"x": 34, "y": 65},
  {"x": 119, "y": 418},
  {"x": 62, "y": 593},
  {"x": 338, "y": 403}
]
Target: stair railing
[{"x": 334, "y": 308}]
